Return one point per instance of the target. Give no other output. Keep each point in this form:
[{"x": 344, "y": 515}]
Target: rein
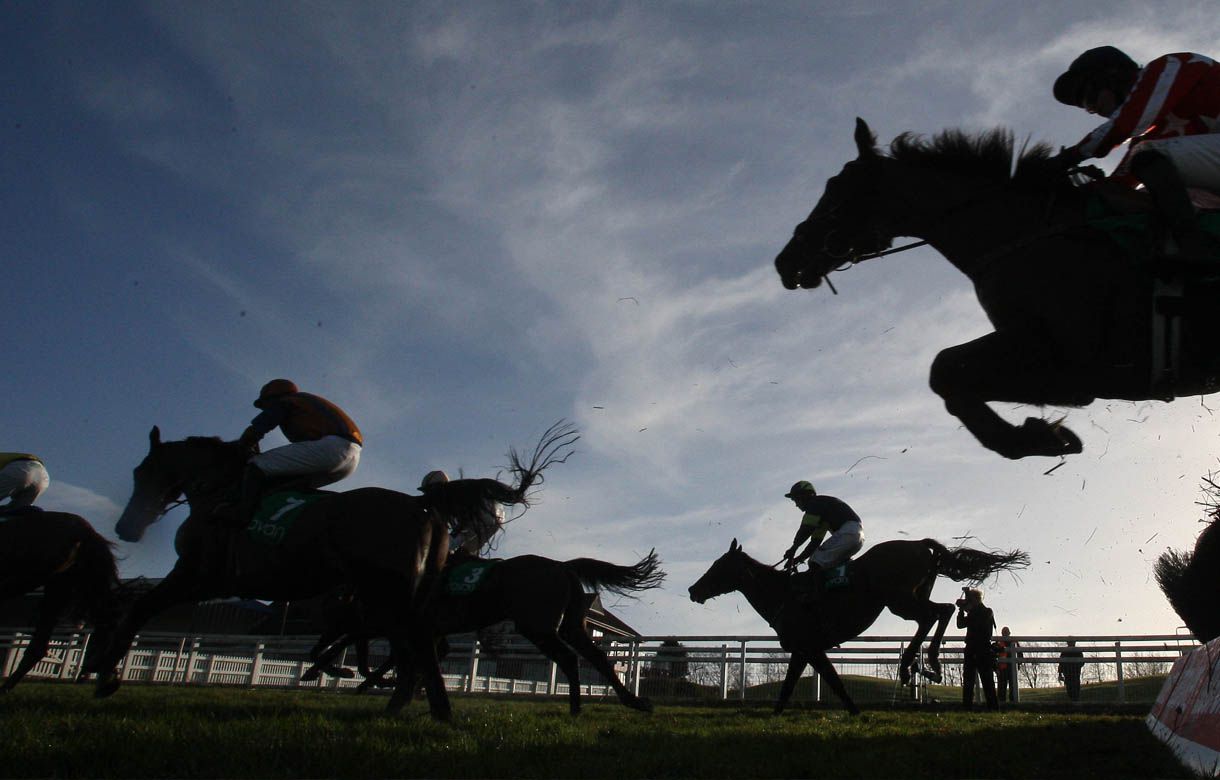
[{"x": 989, "y": 257}]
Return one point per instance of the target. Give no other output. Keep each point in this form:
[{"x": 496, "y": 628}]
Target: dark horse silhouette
[
  {"x": 1191, "y": 581},
  {"x": 72, "y": 563},
  {"x": 1073, "y": 312},
  {"x": 378, "y": 541},
  {"x": 898, "y": 575},
  {"x": 547, "y": 602}
]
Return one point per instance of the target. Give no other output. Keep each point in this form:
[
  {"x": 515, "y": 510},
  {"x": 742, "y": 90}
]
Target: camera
[{"x": 961, "y": 603}]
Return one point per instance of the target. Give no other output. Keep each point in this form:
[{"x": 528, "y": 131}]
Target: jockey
[
  {"x": 324, "y": 444},
  {"x": 23, "y": 479},
  {"x": 470, "y": 534},
  {"x": 1170, "y": 112},
  {"x": 823, "y": 515}
]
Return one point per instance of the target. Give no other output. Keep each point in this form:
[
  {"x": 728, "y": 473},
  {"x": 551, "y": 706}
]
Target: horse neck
[
  {"x": 205, "y": 474},
  {"x": 764, "y": 587},
  {"x": 965, "y": 217}
]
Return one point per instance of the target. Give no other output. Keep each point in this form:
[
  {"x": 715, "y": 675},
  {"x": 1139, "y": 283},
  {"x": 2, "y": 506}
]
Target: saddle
[{"x": 1182, "y": 287}]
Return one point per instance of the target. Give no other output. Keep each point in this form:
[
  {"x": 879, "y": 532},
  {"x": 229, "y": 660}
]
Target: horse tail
[
  {"x": 963, "y": 564},
  {"x": 1190, "y": 582},
  {"x": 623, "y": 580},
  {"x": 555, "y": 446},
  {"x": 97, "y": 573}
]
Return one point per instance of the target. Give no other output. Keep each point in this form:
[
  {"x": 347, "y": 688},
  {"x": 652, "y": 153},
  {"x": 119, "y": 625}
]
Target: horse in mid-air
[
  {"x": 1083, "y": 307},
  {"x": 547, "y": 601},
  {"x": 897, "y": 575},
  {"x": 74, "y": 565}
]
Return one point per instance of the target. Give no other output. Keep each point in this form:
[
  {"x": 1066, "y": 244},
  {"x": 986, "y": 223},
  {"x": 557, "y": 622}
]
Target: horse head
[
  {"x": 170, "y": 469},
  {"x": 724, "y": 576},
  {"x": 844, "y": 225}
]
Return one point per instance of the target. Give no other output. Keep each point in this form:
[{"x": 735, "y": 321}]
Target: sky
[{"x": 464, "y": 221}]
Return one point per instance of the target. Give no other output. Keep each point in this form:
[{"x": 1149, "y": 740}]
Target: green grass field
[{"x": 58, "y": 730}]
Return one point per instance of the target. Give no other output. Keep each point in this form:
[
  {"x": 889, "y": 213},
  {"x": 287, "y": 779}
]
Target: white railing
[{"x": 708, "y": 667}]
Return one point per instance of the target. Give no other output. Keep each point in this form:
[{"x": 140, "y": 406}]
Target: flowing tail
[
  {"x": 97, "y": 576},
  {"x": 963, "y": 564},
  {"x": 623, "y": 580},
  {"x": 464, "y": 502},
  {"x": 1191, "y": 582}
]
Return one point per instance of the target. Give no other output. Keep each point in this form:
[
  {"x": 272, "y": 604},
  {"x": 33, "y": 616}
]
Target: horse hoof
[
  {"x": 1048, "y": 438},
  {"x": 105, "y": 688}
]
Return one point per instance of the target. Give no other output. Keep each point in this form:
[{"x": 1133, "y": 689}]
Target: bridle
[{"x": 852, "y": 258}]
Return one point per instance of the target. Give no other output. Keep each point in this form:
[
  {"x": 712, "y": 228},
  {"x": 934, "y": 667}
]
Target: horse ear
[
  {"x": 734, "y": 547},
  {"x": 154, "y": 437},
  {"x": 866, "y": 142}
]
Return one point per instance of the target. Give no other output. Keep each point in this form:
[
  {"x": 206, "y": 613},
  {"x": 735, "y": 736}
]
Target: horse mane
[{"x": 990, "y": 154}]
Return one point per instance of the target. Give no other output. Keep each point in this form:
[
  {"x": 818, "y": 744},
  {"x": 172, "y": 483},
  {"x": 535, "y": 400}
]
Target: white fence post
[
  {"x": 256, "y": 668},
  {"x": 474, "y": 666},
  {"x": 741, "y": 677},
  {"x": 724, "y": 672},
  {"x": 189, "y": 671},
  {"x": 65, "y": 668},
  {"x": 125, "y": 663},
  {"x": 14, "y": 651}
]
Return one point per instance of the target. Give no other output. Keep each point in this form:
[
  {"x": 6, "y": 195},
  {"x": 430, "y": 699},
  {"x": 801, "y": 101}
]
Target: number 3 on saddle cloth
[{"x": 464, "y": 579}]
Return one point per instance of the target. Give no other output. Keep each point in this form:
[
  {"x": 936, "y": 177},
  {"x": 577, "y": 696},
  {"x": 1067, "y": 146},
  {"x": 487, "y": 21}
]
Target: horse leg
[
  {"x": 325, "y": 650},
  {"x": 1007, "y": 367},
  {"x": 179, "y": 586},
  {"x": 414, "y": 649},
  {"x": 55, "y": 598},
  {"x": 824, "y": 667},
  {"x": 547, "y": 641},
  {"x": 577, "y": 637},
  {"x": 925, "y": 614},
  {"x": 375, "y": 678},
  {"x": 796, "y": 666},
  {"x": 943, "y": 613}
]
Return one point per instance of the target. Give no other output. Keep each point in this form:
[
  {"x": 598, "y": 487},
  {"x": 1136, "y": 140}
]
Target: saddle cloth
[{"x": 276, "y": 514}]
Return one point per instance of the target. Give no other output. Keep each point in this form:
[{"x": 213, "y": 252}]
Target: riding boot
[
  {"x": 241, "y": 513},
  {"x": 811, "y": 585},
  {"x": 1163, "y": 182}
]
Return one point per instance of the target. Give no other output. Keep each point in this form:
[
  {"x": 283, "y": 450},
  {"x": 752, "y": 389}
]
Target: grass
[{"x": 151, "y": 731}]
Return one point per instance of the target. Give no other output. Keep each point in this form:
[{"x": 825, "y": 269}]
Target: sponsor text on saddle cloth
[
  {"x": 466, "y": 578},
  {"x": 839, "y": 578},
  {"x": 278, "y": 512}
]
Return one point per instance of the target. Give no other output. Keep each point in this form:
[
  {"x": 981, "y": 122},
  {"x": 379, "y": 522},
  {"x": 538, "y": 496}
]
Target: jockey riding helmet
[
  {"x": 801, "y": 489},
  {"x": 1102, "y": 68},
  {"x": 433, "y": 478},
  {"x": 274, "y": 389}
]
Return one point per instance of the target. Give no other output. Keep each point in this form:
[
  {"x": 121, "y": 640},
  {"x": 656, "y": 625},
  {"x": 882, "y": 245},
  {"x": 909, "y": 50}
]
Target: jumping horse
[
  {"x": 897, "y": 575},
  {"x": 547, "y": 600},
  {"x": 1077, "y": 314},
  {"x": 72, "y": 563}
]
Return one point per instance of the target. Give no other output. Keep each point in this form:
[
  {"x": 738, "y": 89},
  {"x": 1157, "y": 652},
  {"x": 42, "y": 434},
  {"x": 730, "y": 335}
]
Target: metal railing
[{"x": 1122, "y": 668}]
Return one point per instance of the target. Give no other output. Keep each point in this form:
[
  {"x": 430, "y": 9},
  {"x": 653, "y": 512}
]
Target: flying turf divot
[{"x": 1186, "y": 715}]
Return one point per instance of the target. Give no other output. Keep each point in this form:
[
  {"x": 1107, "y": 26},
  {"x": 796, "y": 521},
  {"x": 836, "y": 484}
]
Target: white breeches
[
  {"x": 22, "y": 482},
  {"x": 328, "y": 460},
  {"x": 842, "y": 544},
  {"x": 1197, "y": 158}
]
